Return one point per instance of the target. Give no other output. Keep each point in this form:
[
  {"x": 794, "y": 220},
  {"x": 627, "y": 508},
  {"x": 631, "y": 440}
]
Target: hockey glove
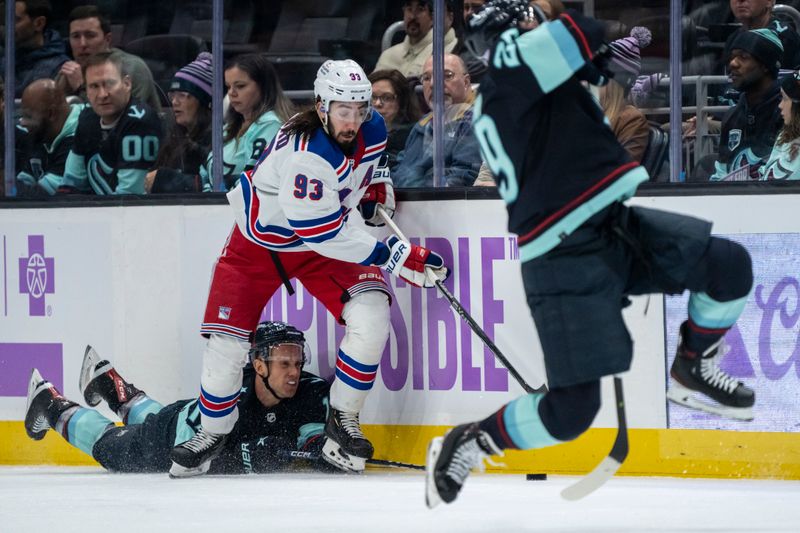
[
  {"x": 409, "y": 261},
  {"x": 589, "y": 34},
  {"x": 377, "y": 194},
  {"x": 597, "y": 71}
]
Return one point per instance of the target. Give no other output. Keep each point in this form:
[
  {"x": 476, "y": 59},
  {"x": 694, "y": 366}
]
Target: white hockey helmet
[{"x": 342, "y": 81}]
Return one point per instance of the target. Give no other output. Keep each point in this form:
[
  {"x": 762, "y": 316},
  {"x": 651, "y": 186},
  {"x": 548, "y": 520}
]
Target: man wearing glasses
[{"x": 461, "y": 152}]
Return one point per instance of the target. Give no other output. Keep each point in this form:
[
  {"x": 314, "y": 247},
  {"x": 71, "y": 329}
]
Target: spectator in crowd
[
  {"x": 629, "y": 125},
  {"x": 750, "y": 128},
  {"x": 184, "y": 150},
  {"x": 282, "y": 413},
  {"x": 784, "y": 163},
  {"x": 257, "y": 109},
  {"x": 410, "y": 55},
  {"x": 117, "y": 138},
  {"x": 44, "y": 138},
  {"x": 550, "y": 8},
  {"x": 471, "y": 6},
  {"x": 462, "y": 158},
  {"x": 2, "y": 136},
  {"x": 90, "y": 33},
  {"x": 40, "y": 51},
  {"x": 394, "y": 99},
  {"x": 757, "y": 14}
]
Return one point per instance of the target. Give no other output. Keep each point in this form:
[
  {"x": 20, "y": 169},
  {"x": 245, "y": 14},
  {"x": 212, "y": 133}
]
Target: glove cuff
[
  {"x": 398, "y": 253},
  {"x": 580, "y": 37}
]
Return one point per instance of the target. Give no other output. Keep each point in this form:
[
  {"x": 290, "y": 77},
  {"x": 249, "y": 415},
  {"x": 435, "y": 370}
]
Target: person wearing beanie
[
  {"x": 177, "y": 167},
  {"x": 784, "y": 161},
  {"x": 750, "y": 128},
  {"x": 757, "y": 14},
  {"x": 629, "y": 125}
]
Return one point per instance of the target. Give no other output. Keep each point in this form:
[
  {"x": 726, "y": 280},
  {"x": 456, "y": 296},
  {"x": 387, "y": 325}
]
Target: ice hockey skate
[
  {"x": 100, "y": 381},
  {"x": 44, "y": 406},
  {"x": 699, "y": 383},
  {"x": 450, "y": 460},
  {"x": 346, "y": 447},
  {"x": 193, "y": 457}
]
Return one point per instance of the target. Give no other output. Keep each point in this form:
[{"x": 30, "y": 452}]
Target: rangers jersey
[{"x": 299, "y": 195}]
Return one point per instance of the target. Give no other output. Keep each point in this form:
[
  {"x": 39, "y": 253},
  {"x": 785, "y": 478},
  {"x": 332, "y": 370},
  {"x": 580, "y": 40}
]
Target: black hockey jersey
[
  {"x": 265, "y": 439},
  {"x": 546, "y": 139},
  {"x": 116, "y": 160},
  {"x": 40, "y": 166}
]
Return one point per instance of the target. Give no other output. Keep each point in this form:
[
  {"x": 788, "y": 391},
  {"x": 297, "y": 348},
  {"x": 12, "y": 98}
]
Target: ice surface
[{"x": 85, "y": 500}]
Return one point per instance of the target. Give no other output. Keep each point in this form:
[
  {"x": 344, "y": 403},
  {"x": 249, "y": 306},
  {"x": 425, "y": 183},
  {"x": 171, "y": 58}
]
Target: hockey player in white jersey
[{"x": 292, "y": 222}]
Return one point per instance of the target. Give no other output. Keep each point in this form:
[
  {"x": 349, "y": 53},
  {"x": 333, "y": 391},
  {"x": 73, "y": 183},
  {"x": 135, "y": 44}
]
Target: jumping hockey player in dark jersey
[
  {"x": 564, "y": 178},
  {"x": 283, "y": 412},
  {"x": 117, "y": 138}
]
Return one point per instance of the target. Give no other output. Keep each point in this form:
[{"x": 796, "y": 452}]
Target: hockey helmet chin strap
[{"x": 265, "y": 379}]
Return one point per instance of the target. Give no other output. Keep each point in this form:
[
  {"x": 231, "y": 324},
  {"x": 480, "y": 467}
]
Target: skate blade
[
  {"x": 679, "y": 394},
  {"x": 177, "y": 471},
  {"x": 90, "y": 360},
  {"x": 333, "y": 454},
  {"x": 432, "y": 498}
]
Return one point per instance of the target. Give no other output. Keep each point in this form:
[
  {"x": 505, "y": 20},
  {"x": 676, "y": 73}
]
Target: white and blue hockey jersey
[{"x": 299, "y": 195}]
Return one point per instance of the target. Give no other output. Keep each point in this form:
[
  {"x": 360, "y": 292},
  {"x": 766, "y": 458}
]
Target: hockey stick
[
  {"x": 456, "y": 305},
  {"x": 608, "y": 466},
  {"x": 311, "y": 456}
]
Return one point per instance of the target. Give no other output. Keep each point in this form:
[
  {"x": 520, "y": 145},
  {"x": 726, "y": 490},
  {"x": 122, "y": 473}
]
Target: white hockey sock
[
  {"x": 221, "y": 382},
  {"x": 367, "y": 329}
]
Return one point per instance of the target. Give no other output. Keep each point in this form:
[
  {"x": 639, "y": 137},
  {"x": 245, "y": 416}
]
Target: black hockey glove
[
  {"x": 483, "y": 28},
  {"x": 597, "y": 71},
  {"x": 587, "y": 32}
]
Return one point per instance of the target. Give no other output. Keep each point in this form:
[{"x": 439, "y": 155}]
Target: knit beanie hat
[
  {"x": 791, "y": 86},
  {"x": 764, "y": 45},
  {"x": 626, "y": 56},
  {"x": 195, "y": 78}
]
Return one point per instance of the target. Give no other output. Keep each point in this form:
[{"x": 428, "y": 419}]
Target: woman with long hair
[
  {"x": 783, "y": 162},
  {"x": 394, "y": 99},
  {"x": 177, "y": 166},
  {"x": 257, "y": 109},
  {"x": 629, "y": 125}
]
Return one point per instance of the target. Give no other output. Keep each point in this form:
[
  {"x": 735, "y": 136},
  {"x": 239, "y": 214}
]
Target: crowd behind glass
[{"x": 115, "y": 97}]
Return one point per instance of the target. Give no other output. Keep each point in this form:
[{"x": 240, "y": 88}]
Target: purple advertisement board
[{"x": 763, "y": 346}]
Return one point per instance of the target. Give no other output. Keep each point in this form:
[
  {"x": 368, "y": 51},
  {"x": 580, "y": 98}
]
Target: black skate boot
[
  {"x": 346, "y": 446},
  {"x": 99, "y": 380},
  {"x": 193, "y": 457},
  {"x": 702, "y": 375},
  {"x": 450, "y": 459},
  {"x": 44, "y": 406}
]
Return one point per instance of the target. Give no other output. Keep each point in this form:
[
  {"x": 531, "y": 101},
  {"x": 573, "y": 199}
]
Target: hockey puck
[{"x": 535, "y": 477}]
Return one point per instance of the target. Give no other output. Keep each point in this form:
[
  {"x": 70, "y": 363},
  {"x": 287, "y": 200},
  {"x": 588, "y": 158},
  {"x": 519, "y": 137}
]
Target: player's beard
[{"x": 346, "y": 146}]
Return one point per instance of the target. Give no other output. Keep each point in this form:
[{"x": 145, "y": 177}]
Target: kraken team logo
[
  {"x": 734, "y": 138},
  {"x": 36, "y": 275}
]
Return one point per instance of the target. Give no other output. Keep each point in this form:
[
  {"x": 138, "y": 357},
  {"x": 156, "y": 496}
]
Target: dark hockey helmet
[
  {"x": 483, "y": 28},
  {"x": 268, "y": 335}
]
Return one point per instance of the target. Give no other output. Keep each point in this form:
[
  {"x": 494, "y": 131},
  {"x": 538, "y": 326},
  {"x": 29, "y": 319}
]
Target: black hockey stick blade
[
  {"x": 394, "y": 464},
  {"x": 608, "y": 466}
]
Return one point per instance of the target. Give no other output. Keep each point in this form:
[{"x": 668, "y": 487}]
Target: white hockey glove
[
  {"x": 377, "y": 194},
  {"x": 409, "y": 262}
]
